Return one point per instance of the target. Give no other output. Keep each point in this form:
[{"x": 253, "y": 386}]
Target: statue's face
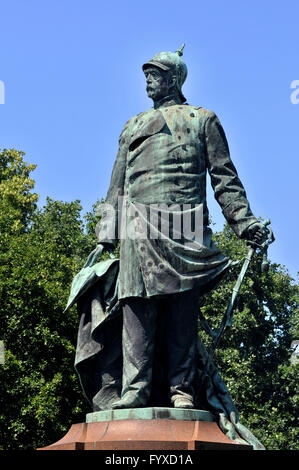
[{"x": 157, "y": 83}]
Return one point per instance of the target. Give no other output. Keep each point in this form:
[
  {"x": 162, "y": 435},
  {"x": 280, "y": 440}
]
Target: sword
[{"x": 228, "y": 316}]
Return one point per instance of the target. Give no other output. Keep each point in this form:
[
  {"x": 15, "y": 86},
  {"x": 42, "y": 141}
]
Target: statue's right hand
[{"x": 94, "y": 256}]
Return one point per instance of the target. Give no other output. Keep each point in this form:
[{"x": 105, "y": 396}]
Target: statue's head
[{"x": 165, "y": 74}]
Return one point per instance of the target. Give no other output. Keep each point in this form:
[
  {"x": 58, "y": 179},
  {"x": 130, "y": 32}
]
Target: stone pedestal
[{"x": 147, "y": 429}]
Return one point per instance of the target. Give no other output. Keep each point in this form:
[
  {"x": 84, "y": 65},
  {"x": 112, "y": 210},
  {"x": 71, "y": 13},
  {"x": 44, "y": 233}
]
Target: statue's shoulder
[
  {"x": 199, "y": 115},
  {"x": 125, "y": 130},
  {"x": 201, "y": 112}
]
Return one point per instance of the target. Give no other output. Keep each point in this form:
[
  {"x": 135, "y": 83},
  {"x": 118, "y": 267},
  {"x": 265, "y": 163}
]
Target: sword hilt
[{"x": 263, "y": 247}]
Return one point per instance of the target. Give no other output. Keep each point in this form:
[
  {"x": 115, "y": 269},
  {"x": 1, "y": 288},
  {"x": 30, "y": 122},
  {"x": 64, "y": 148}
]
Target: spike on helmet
[{"x": 171, "y": 61}]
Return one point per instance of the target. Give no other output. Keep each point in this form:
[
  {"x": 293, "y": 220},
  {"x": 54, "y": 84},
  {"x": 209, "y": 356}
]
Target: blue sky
[{"x": 72, "y": 76}]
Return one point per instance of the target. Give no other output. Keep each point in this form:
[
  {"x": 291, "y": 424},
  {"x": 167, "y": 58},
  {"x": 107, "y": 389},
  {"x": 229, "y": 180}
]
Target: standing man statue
[{"x": 138, "y": 339}]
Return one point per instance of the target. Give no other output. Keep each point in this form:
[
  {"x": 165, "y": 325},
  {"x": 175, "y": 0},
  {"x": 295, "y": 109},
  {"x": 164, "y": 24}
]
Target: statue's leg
[
  {"x": 139, "y": 325},
  {"x": 182, "y": 348}
]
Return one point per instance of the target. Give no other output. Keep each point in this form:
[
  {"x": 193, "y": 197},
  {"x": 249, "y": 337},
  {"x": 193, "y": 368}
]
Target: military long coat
[{"x": 163, "y": 159}]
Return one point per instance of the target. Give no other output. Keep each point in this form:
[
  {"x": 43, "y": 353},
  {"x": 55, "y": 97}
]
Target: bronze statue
[{"x": 138, "y": 342}]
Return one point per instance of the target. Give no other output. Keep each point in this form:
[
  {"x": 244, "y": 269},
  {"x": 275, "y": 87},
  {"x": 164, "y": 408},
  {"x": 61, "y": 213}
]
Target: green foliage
[
  {"x": 41, "y": 251},
  {"x": 17, "y": 203},
  {"x": 40, "y": 394}
]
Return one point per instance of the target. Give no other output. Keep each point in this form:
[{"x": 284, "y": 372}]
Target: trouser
[{"x": 142, "y": 319}]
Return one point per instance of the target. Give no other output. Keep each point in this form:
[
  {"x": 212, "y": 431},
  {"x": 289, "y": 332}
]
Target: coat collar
[{"x": 167, "y": 101}]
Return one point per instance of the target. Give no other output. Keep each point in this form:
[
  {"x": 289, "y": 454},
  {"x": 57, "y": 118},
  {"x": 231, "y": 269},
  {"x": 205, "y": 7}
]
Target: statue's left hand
[{"x": 257, "y": 233}]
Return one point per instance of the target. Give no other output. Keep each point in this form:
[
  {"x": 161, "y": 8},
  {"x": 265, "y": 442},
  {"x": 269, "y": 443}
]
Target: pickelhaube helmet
[{"x": 171, "y": 61}]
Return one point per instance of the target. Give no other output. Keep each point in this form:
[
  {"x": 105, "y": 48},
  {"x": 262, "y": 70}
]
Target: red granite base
[{"x": 152, "y": 434}]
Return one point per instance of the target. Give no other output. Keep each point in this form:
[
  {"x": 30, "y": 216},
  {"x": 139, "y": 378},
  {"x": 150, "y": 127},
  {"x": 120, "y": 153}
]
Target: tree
[{"x": 41, "y": 251}]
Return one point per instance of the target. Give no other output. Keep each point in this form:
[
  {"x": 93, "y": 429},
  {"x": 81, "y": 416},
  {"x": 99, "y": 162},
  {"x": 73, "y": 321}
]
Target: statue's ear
[{"x": 172, "y": 80}]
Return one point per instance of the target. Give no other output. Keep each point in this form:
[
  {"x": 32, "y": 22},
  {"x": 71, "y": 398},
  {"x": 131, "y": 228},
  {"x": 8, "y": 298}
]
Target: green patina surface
[{"x": 150, "y": 413}]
